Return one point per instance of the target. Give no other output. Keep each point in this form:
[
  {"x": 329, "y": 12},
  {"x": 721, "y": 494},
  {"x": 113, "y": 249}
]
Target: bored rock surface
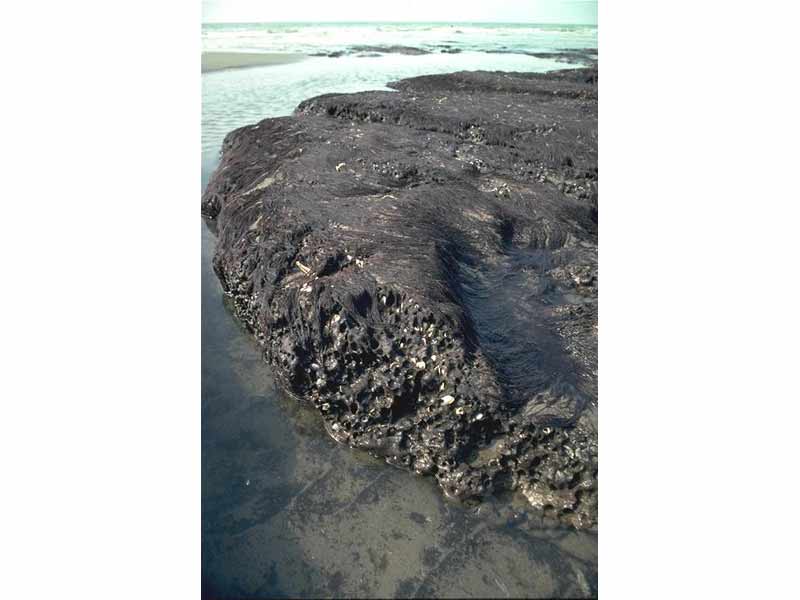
[{"x": 421, "y": 265}]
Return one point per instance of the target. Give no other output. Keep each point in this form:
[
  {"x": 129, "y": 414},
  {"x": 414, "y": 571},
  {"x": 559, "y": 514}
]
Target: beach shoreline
[{"x": 218, "y": 61}]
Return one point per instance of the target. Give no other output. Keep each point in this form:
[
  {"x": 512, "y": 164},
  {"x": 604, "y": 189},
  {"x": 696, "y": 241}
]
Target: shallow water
[{"x": 288, "y": 512}]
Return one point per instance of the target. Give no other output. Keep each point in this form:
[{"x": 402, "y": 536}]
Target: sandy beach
[{"x": 216, "y": 61}]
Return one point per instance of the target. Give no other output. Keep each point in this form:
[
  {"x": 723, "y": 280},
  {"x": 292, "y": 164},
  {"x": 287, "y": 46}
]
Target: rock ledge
[{"x": 421, "y": 265}]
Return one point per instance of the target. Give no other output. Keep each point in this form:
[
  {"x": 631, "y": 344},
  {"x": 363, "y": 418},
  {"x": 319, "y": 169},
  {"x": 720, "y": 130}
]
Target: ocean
[
  {"x": 286, "y": 511},
  {"x": 236, "y": 97},
  {"x": 307, "y": 38}
]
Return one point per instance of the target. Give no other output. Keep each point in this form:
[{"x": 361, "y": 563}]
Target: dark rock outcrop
[
  {"x": 586, "y": 57},
  {"x": 421, "y": 265},
  {"x": 391, "y": 49},
  {"x": 363, "y": 50},
  {"x": 580, "y": 56}
]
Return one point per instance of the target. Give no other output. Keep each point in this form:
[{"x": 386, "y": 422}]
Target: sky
[{"x": 502, "y": 11}]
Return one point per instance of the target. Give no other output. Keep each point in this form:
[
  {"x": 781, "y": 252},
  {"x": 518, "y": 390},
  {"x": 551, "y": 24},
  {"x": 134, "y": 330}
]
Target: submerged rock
[
  {"x": 391, "y": 49},
  {"x": 586, "y": 57},
  {"x": 421, "y": 265},
  {"x": 580, "y": 56},
  {"x": 372, "y": 51}
]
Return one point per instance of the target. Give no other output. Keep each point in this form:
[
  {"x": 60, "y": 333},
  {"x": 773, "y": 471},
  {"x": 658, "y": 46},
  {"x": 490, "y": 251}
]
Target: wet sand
[{"x": 216, "y": 61}]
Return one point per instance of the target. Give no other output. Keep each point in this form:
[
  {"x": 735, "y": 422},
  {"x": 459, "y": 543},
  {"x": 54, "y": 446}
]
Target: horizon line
[{"x": 396, "y": 23}]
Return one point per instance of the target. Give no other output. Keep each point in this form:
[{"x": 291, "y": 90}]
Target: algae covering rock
[{"x": 421, "y": 265}]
